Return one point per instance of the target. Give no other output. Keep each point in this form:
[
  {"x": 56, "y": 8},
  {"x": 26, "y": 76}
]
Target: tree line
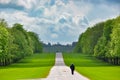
[
  {"x": 102, "y": 40},
  {"x": 49, "y": 48},
  {"x": 16, "y": 43}
]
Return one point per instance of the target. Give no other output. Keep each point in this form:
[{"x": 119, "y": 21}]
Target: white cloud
[
  {"x": 18, "y": 17},
  {"x": 5, "y": 1},
  {"x": 50, "y": 11},
  {"x": 60, "y": 22},
  {"x": 105, "y": 12},
  {"x": 27, "y": 3},
  {"x": 49, "y": 26},
  {"x": 79, "y": 9},
  {"x": 54, "y": 35}
]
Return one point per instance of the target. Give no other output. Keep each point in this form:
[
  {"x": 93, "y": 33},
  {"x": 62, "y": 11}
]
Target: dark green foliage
[
  {"x": 89, "y": 38},
  {"x": 108, "y": 45},
  {"x": 16, "y": 43},
  {"x": 102, "y": 40},
  {"x": 37, "y": 45},
  {"x": 101, "y": 47},
  {"x": 114, "y": 44}
]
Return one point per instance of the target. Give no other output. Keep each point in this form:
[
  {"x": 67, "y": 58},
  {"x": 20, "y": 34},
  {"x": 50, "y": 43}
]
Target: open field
[
  {"x": 93, "y": 68},
  {"x": 35, "y": 66}
]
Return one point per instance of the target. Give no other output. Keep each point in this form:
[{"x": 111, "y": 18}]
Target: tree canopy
[
  {"x": 102, "y": 41},
  {"x": 16, "y": 43}
]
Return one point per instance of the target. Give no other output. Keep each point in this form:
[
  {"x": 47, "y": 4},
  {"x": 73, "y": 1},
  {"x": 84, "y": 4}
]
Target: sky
[{"x": 58, "y": 20}]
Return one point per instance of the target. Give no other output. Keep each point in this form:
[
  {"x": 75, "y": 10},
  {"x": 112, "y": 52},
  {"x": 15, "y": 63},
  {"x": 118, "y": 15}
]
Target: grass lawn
[
  {"x": 93, "y": 68},
  {"x": 35, "y": 66}
]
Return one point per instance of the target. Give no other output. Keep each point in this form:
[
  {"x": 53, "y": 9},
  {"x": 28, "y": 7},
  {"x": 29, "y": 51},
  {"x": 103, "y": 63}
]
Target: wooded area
[
  {"x": 102, "y": 40},
  {"x": 49, "y": 48},
  {"x": 16, "y": 43}
]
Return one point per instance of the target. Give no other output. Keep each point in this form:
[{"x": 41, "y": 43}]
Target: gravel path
[{"x": 61, "y": 72}]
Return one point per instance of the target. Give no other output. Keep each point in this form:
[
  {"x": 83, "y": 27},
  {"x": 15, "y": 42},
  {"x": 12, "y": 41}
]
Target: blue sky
[{"x": 58, "y": 20}]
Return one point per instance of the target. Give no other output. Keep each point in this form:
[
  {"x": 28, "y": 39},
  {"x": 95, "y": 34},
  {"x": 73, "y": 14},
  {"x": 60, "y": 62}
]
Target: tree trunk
[{"x": 117, "y": 60}]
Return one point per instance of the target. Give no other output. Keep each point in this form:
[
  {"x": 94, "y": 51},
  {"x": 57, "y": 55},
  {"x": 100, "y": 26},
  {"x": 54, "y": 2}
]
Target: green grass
[
  {"x": 35, "y": 66},
  {"x": 93, "y": 68}
]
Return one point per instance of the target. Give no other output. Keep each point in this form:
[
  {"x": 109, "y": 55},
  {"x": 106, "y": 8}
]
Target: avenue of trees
[
  {"x": 102, "y": 40},
  {"x": 16, "y": 43}
]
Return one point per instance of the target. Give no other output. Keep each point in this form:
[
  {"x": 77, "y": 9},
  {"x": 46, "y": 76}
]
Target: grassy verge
[
  {"x": 93, "y": 68},
  {"x": 35, "y": 66}
]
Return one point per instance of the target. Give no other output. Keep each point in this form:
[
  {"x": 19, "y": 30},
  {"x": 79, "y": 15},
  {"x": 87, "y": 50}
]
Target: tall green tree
[
  {"x": 89, "y": 38},
  {"x": 16, "y": 43},
  {"x": 4, "y": 36},
  {"x": 35, "y": 42},
  {"x": 21, "y": 41},
  {"x": 114, "y": 50},
  {"x": 103, "y": 40},
  {"x": 101, "y": 47}
]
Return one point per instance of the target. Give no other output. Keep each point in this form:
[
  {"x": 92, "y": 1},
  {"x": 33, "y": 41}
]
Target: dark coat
[{"x": 72, "y": 67}]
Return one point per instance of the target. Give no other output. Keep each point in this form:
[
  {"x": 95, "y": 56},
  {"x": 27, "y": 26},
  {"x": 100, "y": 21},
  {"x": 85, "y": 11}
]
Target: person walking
[{"x": 72, "y": 67}]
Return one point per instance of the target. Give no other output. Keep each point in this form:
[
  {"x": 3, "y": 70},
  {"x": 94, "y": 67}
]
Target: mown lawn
[
  {"x": 93, "y": 68},
  {"x": 35, "y": 66}
]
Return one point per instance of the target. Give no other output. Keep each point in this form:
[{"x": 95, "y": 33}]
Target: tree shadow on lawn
[{"x": 27, "y": 65}]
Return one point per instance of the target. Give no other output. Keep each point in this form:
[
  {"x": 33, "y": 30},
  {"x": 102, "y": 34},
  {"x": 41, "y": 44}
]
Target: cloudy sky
[{"x": 58, "y": 20}]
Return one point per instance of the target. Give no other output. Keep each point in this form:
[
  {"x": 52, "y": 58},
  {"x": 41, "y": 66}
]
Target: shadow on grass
[{"x": 27, "y": 65}]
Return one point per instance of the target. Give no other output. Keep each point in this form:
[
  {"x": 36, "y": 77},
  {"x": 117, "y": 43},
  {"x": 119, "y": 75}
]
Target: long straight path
[{"x": 61, "y": 72}]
